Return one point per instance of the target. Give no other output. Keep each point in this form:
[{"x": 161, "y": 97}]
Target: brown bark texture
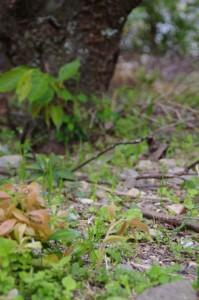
[{"x": 50, "y": 33}]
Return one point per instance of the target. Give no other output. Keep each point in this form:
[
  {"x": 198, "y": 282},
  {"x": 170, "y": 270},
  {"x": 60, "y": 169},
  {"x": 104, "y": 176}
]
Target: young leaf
[
  {"x": 39, "y": 86},
  {"x": 82, "y": 97},
  {"x": 69, "y": 70},
  {"x": 139, "y": 225},
  {"x": 69, "y": 283},
  {"x": 24, "y": 86},
  {"x": 9, "y": 80},
  {"x": 35, "y": 109},
  {"x": 64, "y": 94},
  {"x": 44, "y": 98},
  {"x": 56, "y": 114},
  {"x": 6, "y": 246},
  {"x": 69, "y": 234}
]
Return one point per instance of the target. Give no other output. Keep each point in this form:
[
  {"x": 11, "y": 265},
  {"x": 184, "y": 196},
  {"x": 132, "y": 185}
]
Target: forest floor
[{"x": 142, "y": 171}]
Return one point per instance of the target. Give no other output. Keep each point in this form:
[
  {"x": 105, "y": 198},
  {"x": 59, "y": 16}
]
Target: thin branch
[
  {"x": 170, "y": 220},
  {"x": 138, "y": 141},
  {"x": 192, "y": 165}
]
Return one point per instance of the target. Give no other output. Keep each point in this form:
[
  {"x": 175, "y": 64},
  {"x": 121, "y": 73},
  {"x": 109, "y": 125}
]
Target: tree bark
[{"x": 50, "y": 33}]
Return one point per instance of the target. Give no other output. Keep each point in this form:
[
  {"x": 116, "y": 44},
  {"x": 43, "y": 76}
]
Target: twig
[
  {"x": 192, "y": 165},
  {"x": 138, "y": 141},
  {"x": 161, "y": 176},
  {"x": 139, "y": 266},
  {"x": 170, "y": 220}
]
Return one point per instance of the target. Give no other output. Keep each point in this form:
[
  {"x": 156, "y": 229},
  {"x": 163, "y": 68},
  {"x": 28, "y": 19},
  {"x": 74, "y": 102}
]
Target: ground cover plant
[
  {"x": 99, "y": 194},
  {"x": 78, "y": 227},
  {"x": 68, "y": 235}
]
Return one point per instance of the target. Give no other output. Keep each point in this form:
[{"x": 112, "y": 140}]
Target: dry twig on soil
[
  {"x": 170, "y": 220},
  {"x": 138, "y": 141}
]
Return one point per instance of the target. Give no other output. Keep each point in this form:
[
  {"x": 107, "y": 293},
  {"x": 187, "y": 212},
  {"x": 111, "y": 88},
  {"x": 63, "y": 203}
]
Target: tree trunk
[{"x": 50, "y": 33}]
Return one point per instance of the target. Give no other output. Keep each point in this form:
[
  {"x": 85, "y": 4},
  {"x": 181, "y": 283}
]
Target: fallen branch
[
  {"x": 139, "y": 266},
  {"x": 161, "y": 176},
  {"x": 192, "y": 165},
  {"x": 170, "y": 220},
  {"x": 138, "y": 141}
]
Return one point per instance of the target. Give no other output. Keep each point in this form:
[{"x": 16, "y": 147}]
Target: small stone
[
  {"x": 129, "y": 182},
  {"x": 168, "y": 163},
  {"x": 125, "y": 267},
  {"x": 176, "y": 170},
  {"x": 100, "y": 194},
  {"x": 126, "y": 173},
  {"x": 11, "y": 295},
  {"x": 85, "y": 185},
  {"x": 186, "y": 243},
  {"x": 192, "y": 265},
  {"x": 133, "y": 193},
  {"x": 146, "y": 165},
  {"x": 176, "y": 290},
  {"x": 4, "y": 148},
  {"x": 154, "y": 232},
  {"x": 176, "y": 180},
  {"x": 85, "y": 200},
  {"x": 10, "y": 161},
  {"x": 177, "y": 208}
]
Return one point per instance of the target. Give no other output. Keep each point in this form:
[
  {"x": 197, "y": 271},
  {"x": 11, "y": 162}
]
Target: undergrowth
[{"x": 48, "y": 248}]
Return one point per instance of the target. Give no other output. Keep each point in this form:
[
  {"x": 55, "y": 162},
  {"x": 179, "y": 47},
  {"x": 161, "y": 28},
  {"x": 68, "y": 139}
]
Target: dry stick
[
  {"x": 170, "y": 220},
  {"x": 192, "y": 165},
  {"x": 138, "y": 141},
  {"x": 160, "y": 176},
  {"x": 162, "y": 217}
]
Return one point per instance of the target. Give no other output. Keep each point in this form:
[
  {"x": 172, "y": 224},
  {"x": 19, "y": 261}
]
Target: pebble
[
  {"x": 146, "y": 165},
  {"x": 176, "y": 290},
  {"x": 10, "y": 161},
  {"x": 85, "y": 200},
  {"x": 133, "y": 192},
  {"x": 177, "y": 208}
]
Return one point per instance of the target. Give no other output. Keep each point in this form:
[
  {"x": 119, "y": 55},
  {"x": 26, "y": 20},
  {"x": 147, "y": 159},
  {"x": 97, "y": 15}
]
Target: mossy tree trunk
[{"x": 50, "y": 33}]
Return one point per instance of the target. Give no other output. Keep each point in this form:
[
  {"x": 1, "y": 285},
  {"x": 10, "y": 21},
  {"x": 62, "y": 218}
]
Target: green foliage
[
  {"x": 69, "y": 70},
  {"x": 43, "y": 92},
  {"x": 49, "y": 170}
]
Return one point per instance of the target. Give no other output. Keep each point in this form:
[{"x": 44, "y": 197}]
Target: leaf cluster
[
  {"x": 43, "y": 92},
  {"x": 23, "y": 214},
  {"x": 114, "y": 235}
]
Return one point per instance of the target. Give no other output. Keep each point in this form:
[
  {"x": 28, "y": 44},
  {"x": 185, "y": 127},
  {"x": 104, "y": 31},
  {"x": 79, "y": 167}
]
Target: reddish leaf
[
  {"x": 40, "y": 216},
  {"x": 42, "y": 231},
  {"x": 18, "y": 214},
  {"x": 139, "y": 225},
  {"x": 4, "y": 195},
  {"x": 7, "y": 226},
  {"x": 111, "y": 210},
  {"x": 122, "y": 229}
]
